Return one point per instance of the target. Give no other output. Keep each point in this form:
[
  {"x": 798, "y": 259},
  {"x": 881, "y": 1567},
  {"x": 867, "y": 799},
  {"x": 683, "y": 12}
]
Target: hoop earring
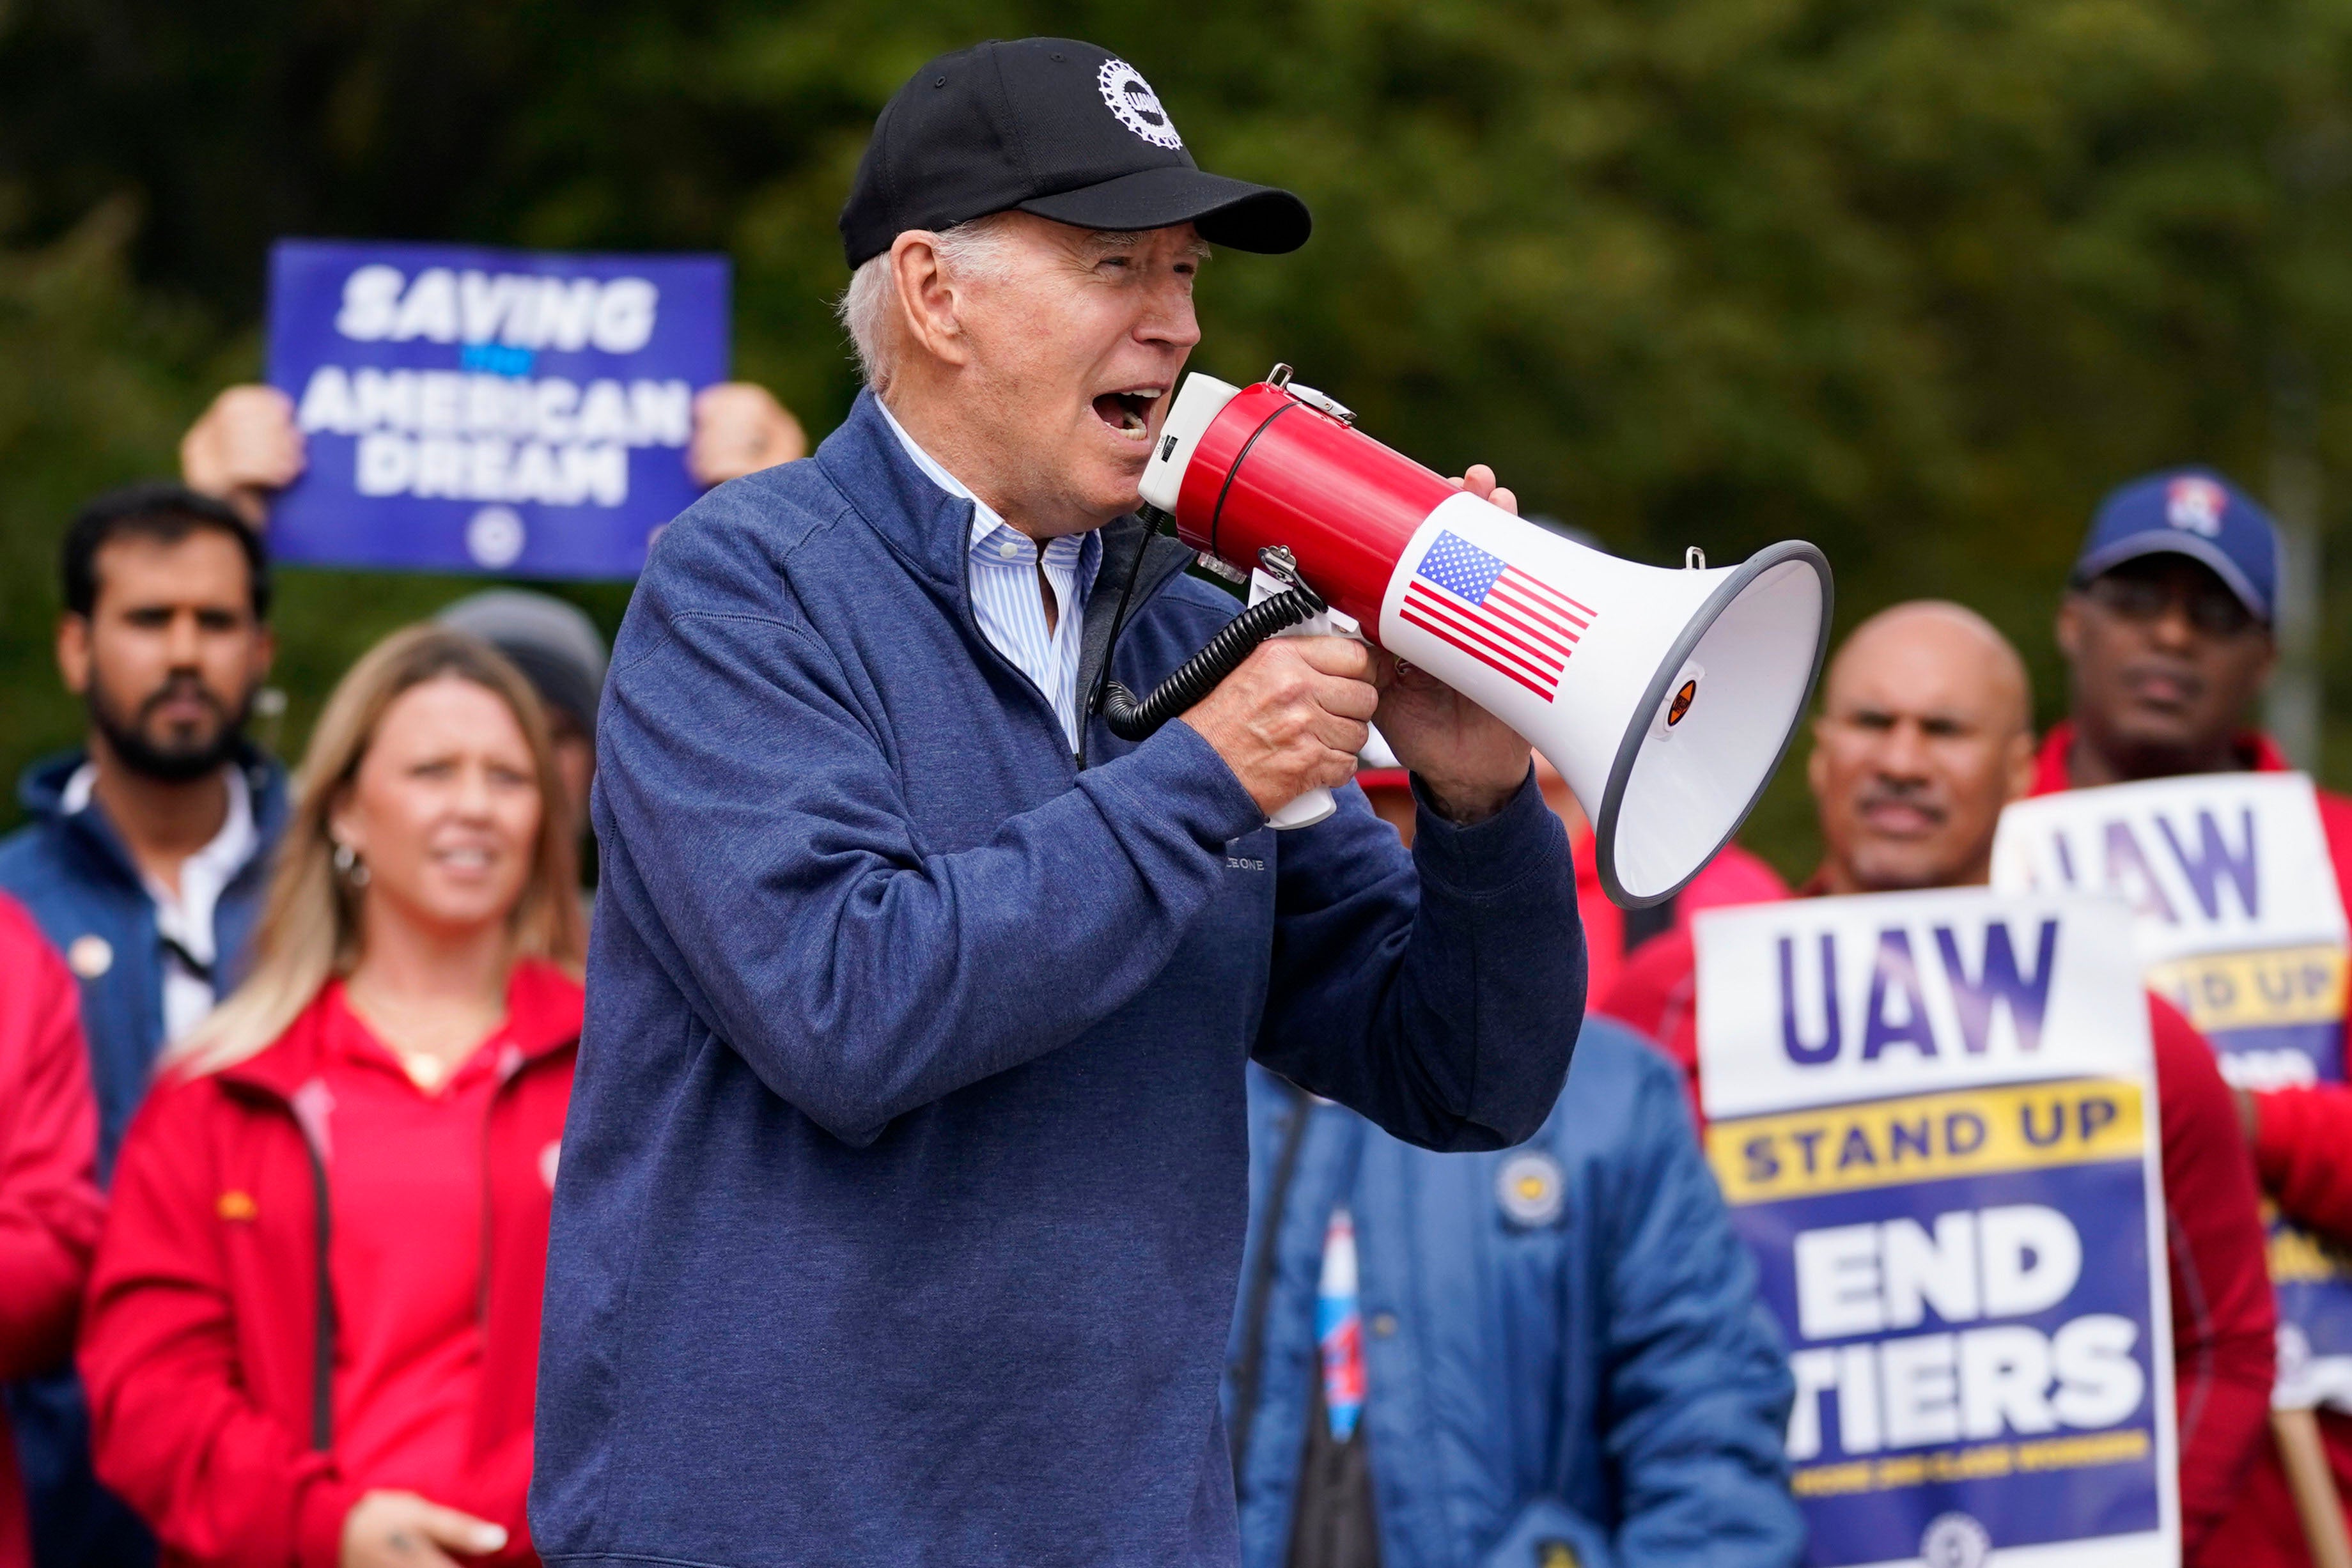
[{"x": 349, "y": 866}]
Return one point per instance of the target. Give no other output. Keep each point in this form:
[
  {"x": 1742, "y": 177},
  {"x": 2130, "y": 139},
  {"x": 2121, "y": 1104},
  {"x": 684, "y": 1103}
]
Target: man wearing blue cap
[
  {"x": 2166, "y": 627},
  {"x": 903, "y": 1190},
  {"x": 2166, "y": 631}
]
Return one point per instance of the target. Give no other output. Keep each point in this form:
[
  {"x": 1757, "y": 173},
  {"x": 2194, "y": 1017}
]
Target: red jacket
[
  {"x": 49, "y": 1209},
  {"x": 208, "y": 1338},
  {"x": 2224, "y": 1321},
  {"x": 2300, "y": 1151}
]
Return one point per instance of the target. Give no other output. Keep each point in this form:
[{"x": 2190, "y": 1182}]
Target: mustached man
[{"x": 902, "y": 1198}]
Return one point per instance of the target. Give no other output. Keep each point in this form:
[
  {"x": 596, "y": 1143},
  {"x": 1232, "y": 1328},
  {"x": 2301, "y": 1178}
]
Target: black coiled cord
[{"x": 1201, "y": 674}]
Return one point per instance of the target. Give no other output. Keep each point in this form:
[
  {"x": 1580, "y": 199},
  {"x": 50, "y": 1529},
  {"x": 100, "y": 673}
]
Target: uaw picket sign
[
  {"x": 2238, "y": 924},
  {"x": 475, "y": 410},
  {"x": 1932, "y": 1114}
]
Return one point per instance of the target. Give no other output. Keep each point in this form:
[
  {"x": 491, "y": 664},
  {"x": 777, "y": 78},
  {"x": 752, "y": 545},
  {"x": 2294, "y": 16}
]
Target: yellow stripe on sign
[
  {"x": 2297, "y": 1257},
  {"x": 1988, "y": 1462},
  {"x": 2248, "y": 991},
  {"x": 1926, "y": 1137}
]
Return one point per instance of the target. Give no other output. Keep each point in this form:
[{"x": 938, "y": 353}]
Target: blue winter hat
[{"x": 2193, "y": 512}]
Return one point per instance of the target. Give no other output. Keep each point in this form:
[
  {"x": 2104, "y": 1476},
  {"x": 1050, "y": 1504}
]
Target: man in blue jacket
[
  {"x": 1551, "y": 1357},
  {"x": 145, "y": 864},
  {"x": 902, "y": 1198}
]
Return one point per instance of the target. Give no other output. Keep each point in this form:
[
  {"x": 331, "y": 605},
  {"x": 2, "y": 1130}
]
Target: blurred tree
[
  {"x": 95, "y": 381},
  {"x": 1916, "y": 278}
]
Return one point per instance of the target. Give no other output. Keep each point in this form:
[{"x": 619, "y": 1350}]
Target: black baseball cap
[{"x": 1052, "y": 125}]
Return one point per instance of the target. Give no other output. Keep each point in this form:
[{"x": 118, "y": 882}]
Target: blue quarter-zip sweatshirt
[{"x": 902, "y": 1198}]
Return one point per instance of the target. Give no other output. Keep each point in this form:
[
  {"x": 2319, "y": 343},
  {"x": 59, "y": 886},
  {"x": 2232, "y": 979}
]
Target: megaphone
[{"x": 1666, "y": 697}]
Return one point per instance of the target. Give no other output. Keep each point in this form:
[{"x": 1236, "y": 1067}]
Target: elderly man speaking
[{"x": 903, "y": 1192}]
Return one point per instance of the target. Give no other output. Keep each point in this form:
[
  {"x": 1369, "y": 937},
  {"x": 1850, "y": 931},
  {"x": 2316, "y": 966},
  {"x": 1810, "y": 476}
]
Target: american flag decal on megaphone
[{"x": 1507, "y": 620}]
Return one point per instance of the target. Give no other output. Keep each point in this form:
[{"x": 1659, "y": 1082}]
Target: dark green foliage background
[{"x": 1916, "y": 279}]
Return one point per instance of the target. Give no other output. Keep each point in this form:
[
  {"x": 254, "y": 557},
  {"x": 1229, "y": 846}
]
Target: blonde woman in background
[{"x": 313, "y": 1325}]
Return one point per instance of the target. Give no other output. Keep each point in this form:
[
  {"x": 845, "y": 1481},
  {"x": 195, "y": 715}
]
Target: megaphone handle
[
  {"x": 1316, "y": 804},
  {"x": 1305, "y": 811}
]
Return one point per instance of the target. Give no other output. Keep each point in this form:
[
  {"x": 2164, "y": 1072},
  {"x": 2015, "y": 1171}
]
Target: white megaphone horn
[{"x": 1665, "y": 698}]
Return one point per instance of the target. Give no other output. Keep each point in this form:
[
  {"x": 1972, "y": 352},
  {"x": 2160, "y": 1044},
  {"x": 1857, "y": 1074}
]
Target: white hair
[{"x": 976, "y": 248}]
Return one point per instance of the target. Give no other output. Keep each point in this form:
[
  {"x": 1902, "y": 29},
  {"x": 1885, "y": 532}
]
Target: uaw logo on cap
[
  {"x": 1137, "y": 107},
  {"x": 1530, "y": 1190},
  {"x": 2194, "y": 505}
]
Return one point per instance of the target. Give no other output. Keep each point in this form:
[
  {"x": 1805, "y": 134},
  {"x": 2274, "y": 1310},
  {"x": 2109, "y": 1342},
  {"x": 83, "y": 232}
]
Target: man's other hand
[
  {"x": 244, "y": 450},
  {"x": 402, "y": 1529},
  {"x": 739, "y": 429},
  {"x": 1469, "y": 762},
  {"x": 1292, "y": 718}
]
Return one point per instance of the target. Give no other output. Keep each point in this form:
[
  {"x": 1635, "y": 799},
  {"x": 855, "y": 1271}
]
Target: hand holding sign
[
  {"x": 247, "y": 447},
  {"x": 245, "y": 450},
  {"x": 740, "y": 429}
]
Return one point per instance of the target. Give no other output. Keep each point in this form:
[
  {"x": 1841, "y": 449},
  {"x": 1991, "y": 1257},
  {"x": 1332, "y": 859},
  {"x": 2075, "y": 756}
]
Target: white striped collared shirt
[{"x": 1001, "y": 566}]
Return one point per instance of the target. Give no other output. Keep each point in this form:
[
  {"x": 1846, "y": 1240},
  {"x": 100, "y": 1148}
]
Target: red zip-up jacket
[
  {"x": 208, "y": 1338},
  {"x": 49, "y": 1209},
  {"x": 2303, "y": 1152},
  {"x": 2224, "y": 1320}
]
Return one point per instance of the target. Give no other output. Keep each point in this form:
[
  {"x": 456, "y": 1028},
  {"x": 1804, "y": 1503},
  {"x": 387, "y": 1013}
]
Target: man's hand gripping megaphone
[{"x": 1291, "y": 718}]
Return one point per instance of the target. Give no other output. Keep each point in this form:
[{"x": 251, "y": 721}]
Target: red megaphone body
[
  {"x": 1278, "y": 468},
  {"x": 1666, "y": 697}
]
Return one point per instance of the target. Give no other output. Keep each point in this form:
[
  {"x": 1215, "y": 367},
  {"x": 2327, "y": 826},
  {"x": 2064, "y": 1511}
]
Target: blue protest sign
[
  {"x": 466, "y": 409},
  {"x": 2236, "y": 915},
  {"x": 1933, "y": 1117}
]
